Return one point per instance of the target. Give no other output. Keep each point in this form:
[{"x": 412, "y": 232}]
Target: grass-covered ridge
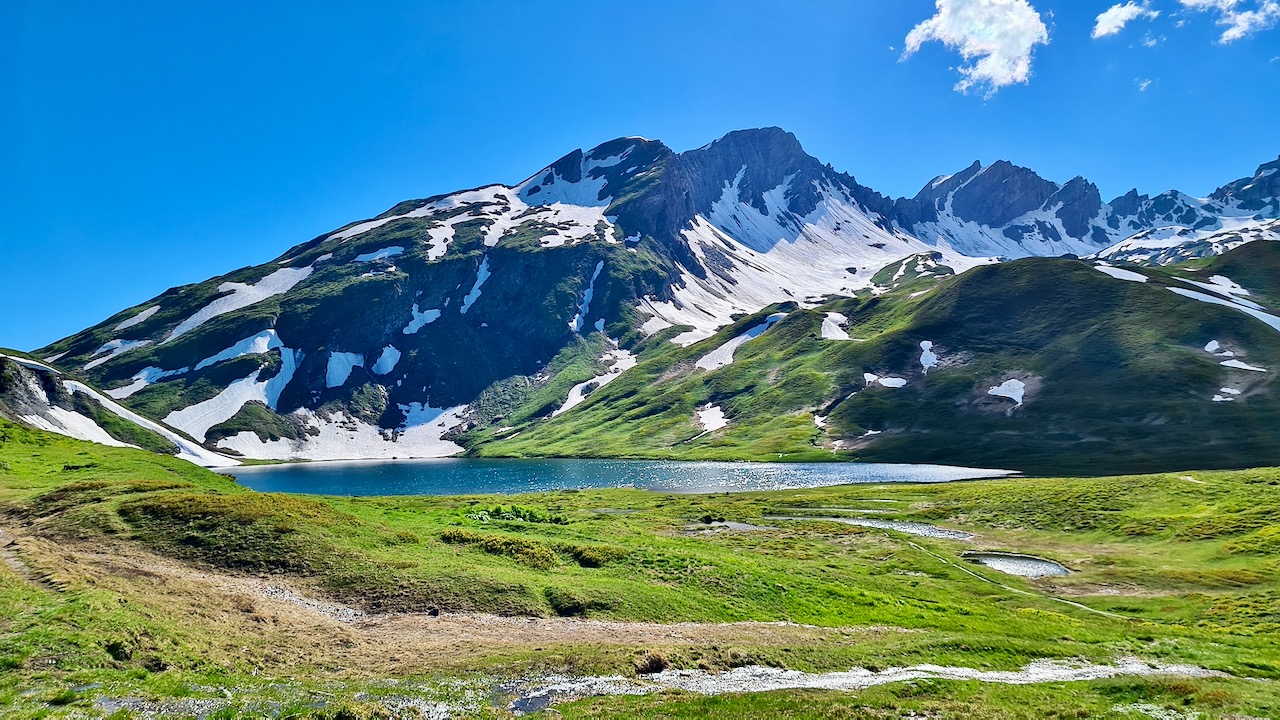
[
  {"x": 1116, "y": 374},
  {"x": 144, "y": 574}
]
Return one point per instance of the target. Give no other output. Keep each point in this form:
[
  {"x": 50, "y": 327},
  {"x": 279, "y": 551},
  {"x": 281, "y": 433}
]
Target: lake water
[{"x": 453, "y": 476}]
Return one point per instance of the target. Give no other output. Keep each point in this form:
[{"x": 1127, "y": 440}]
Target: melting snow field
[
  {"x": 1012, "y": 389},
  {"x": 187, "y": 450},
  {"x": 580, "y": 320},
  {"x": 197, "y": 419},
  {"x": 263, "y": 342},
  {"x": 723, "y": 355},
  {"x": 621, "y": 361},
  {"x": 892, "y": 382}
]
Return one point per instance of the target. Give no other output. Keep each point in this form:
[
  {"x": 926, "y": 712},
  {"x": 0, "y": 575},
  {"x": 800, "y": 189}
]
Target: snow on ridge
[
  {"x": 138, "y": 319},
  {"x": 762, "y": 260},
  {"x": 387, "y": 361},
  {"x": 622, "y": 361},
  {"x": 243, "y": 295},
  {"x": 723, "y": 355},
  {"x": 482, "y": 274},
  {"x": 196, "y": 419},
  {"x": 112, "y": 349},
  {"x": 421, "y": 318},
  {"x": 340, "y": 366},
  {"x": 579, "y": 321}
]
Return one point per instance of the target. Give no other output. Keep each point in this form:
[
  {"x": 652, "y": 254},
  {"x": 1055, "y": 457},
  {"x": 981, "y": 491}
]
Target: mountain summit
[{"x": 459, "y": 319}]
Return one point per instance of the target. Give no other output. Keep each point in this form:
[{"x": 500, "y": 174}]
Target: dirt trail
[{"x": 277, "y": 621}]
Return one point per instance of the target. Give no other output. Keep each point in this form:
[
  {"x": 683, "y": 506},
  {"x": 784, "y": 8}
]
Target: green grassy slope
[
  {"x": 1190, "y": 562},
  {"x": 1116, "y": 372}
]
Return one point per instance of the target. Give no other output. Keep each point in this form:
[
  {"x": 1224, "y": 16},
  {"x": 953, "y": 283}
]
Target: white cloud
[
  {"x": 1239, "y": 23},
  {"x": 1142, "y": 84},
  {"x": 1113, "y": 19},
  {"x": 997, "y": 36}
]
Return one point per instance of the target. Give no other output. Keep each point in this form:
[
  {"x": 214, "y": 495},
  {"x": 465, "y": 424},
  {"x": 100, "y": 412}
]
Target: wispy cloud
[
  {"x": 1142, "y": 83},
  {"x": 1113, "y": 19},
  {"x": 1240, "y": 19},
  {"x": 997, "y": 37}
]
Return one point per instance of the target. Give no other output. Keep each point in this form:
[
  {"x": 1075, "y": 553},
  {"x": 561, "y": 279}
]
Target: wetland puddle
[
  {"x": 1028, "y": 566},
  {"x": 903, "y": 526}
]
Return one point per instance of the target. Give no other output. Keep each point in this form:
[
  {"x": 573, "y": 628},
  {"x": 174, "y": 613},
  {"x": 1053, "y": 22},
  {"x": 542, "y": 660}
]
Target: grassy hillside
[
  {"x": 133, "y": 575},
  {"x": 1116, "y": 374}
]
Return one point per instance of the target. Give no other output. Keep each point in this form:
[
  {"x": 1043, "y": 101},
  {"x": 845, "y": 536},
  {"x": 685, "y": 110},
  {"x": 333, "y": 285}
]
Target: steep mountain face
[{"x": 460, "y": 319}]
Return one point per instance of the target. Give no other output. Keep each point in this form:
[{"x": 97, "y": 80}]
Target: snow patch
[
  {"x": 340, "y": 366},
  {"x": 1121, "y": 273},
  {"x": 928, "y": 358},
  {"x": 242, "y": 296},
  {"x": 619, "y": 362},
  {"x": 339, "y": 437},
  {"x": 197, "y": 419},
  {"x": 1241, "y": 365},
  {"x": 482, "y": 274},
  {"x": 1271, "y": 320},
  {"x": 382, "y": 254},
  {"x": 386, "y": 362},
  {"x": 139, "y": 318},
  {"x": 723, "y": 355},
  {"x": 579, "y": 321},
  {"x": 143, "y": 378},
  {"x": 1012, "y": 389},
  {"x": 420, "y": 319},
  {"x": 833, "y": 324},
  {"x": 711, "y": 418},
  {"x": 112, "y": 349},
  {"x": 263, "y": 342},
  {"x": 892, "y": 382}
]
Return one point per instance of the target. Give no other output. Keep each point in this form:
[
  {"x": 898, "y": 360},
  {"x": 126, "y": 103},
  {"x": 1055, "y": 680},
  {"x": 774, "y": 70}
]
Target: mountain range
[{"x": 740, "y": 301}]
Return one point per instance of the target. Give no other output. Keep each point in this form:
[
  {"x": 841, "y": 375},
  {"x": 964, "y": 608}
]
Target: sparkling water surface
[{"x": 452, "y": 476}]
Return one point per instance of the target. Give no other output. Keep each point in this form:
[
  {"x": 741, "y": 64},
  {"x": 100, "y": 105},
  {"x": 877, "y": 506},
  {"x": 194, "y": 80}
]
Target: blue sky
[{"x": 146, "y": 145}]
